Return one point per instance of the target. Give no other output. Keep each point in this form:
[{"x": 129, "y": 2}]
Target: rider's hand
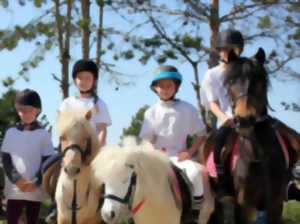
[
  {"x": 30, "y": 186},
  {"x": 21, "y": 184},
  {"x": 229, "y": 122},
  {"x": 183, "y": 156}
]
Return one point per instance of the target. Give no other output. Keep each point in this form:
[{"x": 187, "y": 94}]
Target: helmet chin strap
[
  {"x": 86, "y": 91},
  {"x": 172, "y": 98},
  {"x": 223, "y": 60}
]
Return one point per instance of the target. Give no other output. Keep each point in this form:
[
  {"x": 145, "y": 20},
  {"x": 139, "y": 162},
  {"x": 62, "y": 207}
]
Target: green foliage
[
  {"x": 264, "y": 22},
  {"x": 4, "y": 3},
  {"x": 127, "y": 54},
  {"x": 191, "y": 42},
  {"x": 8, "y": 115},
  {"x": 136, "y": 124},
  {"x": 155, "y": 41}
]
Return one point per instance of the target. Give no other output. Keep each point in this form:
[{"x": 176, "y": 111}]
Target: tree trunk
[
  {"x": 99, "y": 39},
  {"x": 85, "y": 10},
  {"x": 64, "y": 46},
  {"x": 214, "y": 23}
]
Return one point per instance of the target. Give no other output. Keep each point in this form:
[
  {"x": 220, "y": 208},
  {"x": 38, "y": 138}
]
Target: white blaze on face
[{"x": 112, "y": 210}]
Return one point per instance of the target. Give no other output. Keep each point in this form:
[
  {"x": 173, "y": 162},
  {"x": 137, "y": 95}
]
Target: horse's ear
[
  {"x": 232, "y": 56},
  {"x": 88, "y": 115},
  {"x": 260, "y": 56}
]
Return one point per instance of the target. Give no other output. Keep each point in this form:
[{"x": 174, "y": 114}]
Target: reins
[{"x": 74, "y": 207}]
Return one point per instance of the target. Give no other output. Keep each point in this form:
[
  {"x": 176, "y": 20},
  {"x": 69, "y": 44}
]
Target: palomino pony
[
  {"x": 138, "y": 184},
  {"x": 77, "y": 200},
  {"x": 262, "y": 162}
]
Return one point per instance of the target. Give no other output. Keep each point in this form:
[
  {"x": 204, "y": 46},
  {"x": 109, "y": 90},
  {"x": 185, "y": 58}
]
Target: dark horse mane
[{"x": 251, "y": 69}]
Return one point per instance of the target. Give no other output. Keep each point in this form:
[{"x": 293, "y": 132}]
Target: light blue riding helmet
[{"x": 166, "y": 72}]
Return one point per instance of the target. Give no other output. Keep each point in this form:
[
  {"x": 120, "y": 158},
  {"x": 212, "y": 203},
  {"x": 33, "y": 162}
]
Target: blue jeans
[{"x": 261, "y": 217}]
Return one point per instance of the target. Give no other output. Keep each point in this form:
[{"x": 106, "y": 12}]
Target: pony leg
[
  {"x": 208, "y": 205},
  {"x": 274, "y": 213},
  {"x": 61, "y": 220}
]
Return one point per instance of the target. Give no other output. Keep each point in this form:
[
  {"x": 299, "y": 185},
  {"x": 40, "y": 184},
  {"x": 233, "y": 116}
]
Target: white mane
[{"x": 152, "y": 166}]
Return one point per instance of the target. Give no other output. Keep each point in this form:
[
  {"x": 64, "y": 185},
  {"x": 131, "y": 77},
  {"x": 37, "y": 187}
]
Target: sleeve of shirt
[
  {"x": 197, "y": 126},
  {"x": 103, "y": 115},
  {"x": 5, "y": 144},
  {"x": 63, "y": 106},
  {"x": 48, "y": 148},
  {"x": 9, "y": 168},
  {"x": 209, "y": 87},
  {"x": 147, "y": 132}
]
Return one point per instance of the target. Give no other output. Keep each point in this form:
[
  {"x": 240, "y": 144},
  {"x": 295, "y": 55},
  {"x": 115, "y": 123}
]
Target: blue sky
[{"x": 124, "y": 103}]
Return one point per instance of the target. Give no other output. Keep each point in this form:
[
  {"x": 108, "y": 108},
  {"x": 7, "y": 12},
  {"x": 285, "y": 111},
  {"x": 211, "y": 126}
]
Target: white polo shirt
[
  {"x": 85, "y": 104},
  {"x": 167, "y": 125},
  {"x": 212, "y": 89},
  {"x": 26, "y": 149}
]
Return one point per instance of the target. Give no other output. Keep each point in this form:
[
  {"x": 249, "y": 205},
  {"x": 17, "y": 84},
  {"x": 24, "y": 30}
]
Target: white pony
[
  {"x": 137, "y": 184},
  {"x": 77, "y": 200}
]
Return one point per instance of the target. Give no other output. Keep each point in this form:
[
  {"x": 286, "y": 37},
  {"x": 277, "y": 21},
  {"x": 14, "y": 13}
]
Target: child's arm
[
  {"x": 11, "y": 172},
  {"x": 215, "y": 108},
  {"x": 102, "y": 132},
  {"x": 198, "y": 141}
]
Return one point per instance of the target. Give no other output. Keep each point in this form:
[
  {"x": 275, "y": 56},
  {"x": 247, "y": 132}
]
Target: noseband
[
  {"x": 84, "y": 153},
  {"x": 127, "y": 200}
]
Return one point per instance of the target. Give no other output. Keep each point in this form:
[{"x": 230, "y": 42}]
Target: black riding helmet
[
  {"x": 166, "y": 72},
  {"x": 228, "y": 38},
  {"x": 85, "y": 65},
  {"x": 28, "y": 97}
]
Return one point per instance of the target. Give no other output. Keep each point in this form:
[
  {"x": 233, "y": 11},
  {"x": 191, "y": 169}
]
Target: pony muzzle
[
  {"x": 244, "y": 125},
  {"x": 72, "y": 170}
]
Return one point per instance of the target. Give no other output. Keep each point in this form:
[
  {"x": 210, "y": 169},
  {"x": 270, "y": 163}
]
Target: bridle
[
  {"x": 248, "y": 121},
  {"x": 128, "y": 198},
  {"x": 84, "y": 153}
]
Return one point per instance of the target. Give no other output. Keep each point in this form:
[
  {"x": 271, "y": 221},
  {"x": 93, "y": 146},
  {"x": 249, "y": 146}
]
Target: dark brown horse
[{"x": 261, "y": 171}]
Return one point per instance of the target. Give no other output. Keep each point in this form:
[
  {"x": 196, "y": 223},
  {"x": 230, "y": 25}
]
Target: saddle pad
[{"x": 210, "y": 165}]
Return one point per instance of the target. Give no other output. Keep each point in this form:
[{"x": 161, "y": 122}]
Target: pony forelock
[
  {"x": 149, "y": 164},
  {"x": 68, "y": 118}
]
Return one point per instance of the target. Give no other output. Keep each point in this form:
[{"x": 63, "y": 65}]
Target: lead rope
[{"x": 74, "y": 204}]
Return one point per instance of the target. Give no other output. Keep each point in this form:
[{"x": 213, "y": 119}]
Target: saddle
[
  {"x": 287, "y": 137},
  {"x": 50, "y": 171},
  {"x": 182, "y": 190}
]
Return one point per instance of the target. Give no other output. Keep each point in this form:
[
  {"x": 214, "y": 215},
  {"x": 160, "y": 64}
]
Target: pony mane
[
  {"x": 246, "y": 68},
  {"x": 67, "y": 119},
  {"x": 151, "y": 165}
]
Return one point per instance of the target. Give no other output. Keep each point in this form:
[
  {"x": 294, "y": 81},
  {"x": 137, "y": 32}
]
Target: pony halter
[
  {"x": 128, "y": 198},
  {"x": 84, "y": 153}
]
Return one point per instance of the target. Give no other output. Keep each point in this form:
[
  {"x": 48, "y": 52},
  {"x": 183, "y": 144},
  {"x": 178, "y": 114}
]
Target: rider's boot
[{"x": 293, "y": 191}]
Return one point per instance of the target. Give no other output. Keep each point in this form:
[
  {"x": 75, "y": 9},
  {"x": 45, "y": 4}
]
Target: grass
[{"x": 291, "y": 212}]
